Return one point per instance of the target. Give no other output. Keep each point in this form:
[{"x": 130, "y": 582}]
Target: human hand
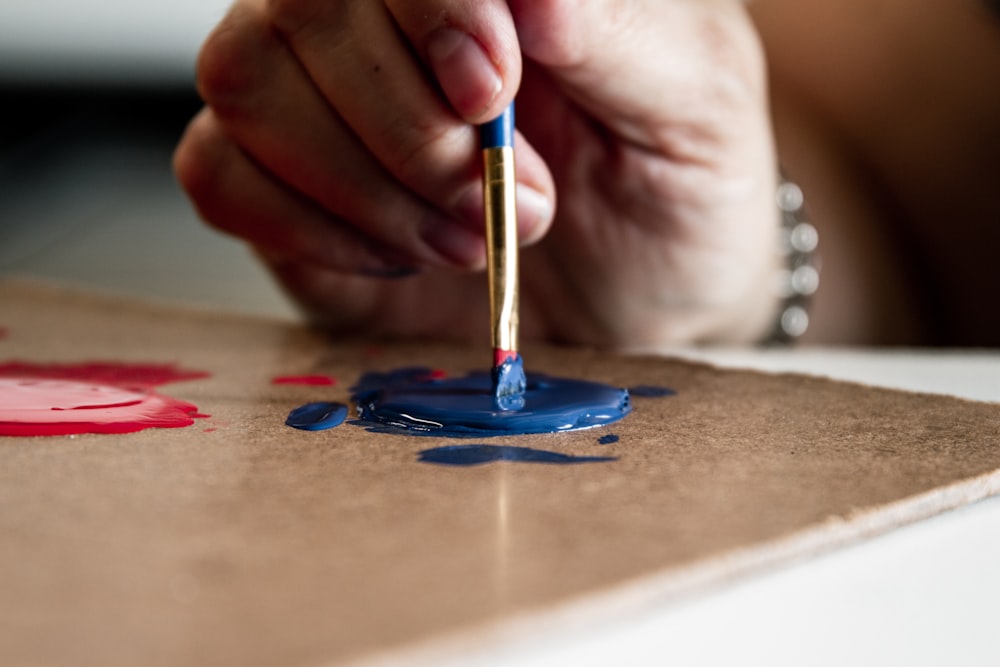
[{"x": 337, "y": 140}]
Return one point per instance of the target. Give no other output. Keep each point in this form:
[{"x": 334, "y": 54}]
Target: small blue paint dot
[
  {"x": 317, "y": 416},
  {"x": 608, "y": 439}
]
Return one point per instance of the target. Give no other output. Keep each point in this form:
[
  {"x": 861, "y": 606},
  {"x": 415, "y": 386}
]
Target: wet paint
[
  {"x": 608, "y": 439},
  {"x": 95, "y": 397},
  {"x": 305, "y": 380},
  {"x": 473, "y": 455},
  {"x": 116, "y": 374},
  {"x": 410, "y": 401},
  {"x": 317, "y": 416}
]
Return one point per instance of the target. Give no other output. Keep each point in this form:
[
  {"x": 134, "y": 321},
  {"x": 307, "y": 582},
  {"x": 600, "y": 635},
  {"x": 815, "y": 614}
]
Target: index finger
[{"x": 363, "y": 61}]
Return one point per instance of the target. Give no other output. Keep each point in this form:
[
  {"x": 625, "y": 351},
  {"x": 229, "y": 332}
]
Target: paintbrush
[{"x": 499, "y": 201}]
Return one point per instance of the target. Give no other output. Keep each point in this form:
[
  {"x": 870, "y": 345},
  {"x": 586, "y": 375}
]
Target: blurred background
[{"x": 94, "y": 97}]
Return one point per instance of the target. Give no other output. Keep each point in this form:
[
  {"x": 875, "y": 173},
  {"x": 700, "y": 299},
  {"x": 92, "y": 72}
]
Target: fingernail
[
  {"x": 534, "y": 210},
  {"x": 467, "y": 76},
  {"x": 454, "y": 242}
]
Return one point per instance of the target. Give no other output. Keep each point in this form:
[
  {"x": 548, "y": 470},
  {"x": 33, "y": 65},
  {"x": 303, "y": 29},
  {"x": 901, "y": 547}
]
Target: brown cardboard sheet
[{"x": 241, "y": 541}]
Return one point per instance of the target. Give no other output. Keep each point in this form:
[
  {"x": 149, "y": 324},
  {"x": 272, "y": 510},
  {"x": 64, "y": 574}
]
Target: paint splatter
[
  {"x": 317, "y": 416},
  {"x": 94, "y": 397},
  {"x": 305, "y": 380},
  {"x": 407, "y": 401},
  {"x": 421, "y": 401},
  {"x": 650, "y": 391},
  {"x": 473, "y": 455}
]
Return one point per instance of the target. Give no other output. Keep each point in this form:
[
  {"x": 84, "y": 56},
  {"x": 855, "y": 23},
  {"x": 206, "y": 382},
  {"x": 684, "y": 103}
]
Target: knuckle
[
  {"x": 421, "y": 151},
  {"x": 291, "y": 17},
  {"x": 198, "y": 165},
  {"x": 227, "y": 64}
]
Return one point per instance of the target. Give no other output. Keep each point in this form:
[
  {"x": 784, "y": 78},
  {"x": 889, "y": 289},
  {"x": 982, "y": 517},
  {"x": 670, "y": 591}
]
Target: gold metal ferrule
[{"x": 501, "y": 244}]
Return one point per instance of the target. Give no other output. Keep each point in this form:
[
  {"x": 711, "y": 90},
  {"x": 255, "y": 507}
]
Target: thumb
[{"x": 641, "y": 66}]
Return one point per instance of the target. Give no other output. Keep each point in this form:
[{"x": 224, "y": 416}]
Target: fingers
[
  {"x": 362, "y": 61},
  {"x": 267, "y": 105},
  {"x": 433, "y": 304},
  {"x": 389, "y": 158},
  {"x": 236, "y": 196},
  {"x": 470, "y": 48},
  {"x": 669, "y": 75}
]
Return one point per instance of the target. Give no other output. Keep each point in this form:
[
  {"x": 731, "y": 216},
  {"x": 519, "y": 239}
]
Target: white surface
[
  {"x": 104, "y": 40},
  {"x": 972, "y": 374}
]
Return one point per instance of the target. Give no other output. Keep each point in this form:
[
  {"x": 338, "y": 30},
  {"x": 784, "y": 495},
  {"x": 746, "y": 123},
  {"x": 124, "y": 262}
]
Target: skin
[
  {"x": 890, "y": 121},
  {"x": 338, "y": 140}
]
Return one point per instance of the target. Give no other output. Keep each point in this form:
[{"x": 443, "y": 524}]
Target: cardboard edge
[{"x": 580, "y": 614}]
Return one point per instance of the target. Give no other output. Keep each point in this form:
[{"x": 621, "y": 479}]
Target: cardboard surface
[{"x": 240, "y": 541}]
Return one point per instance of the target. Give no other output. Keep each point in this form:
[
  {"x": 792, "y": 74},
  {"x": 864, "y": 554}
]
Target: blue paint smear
[
  {"x": 649, "y": 391},
  {"x": 473, "y": 455},
  {"x": 317, "y": 416},
  {"x": 509, "y": 384},
  {"x": 410, "y": 401},
  {"x": 609, "y": 439}
]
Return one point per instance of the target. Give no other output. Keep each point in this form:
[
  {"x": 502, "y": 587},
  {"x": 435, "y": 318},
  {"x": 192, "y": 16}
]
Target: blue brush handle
[{"x": 498, "y": 133}]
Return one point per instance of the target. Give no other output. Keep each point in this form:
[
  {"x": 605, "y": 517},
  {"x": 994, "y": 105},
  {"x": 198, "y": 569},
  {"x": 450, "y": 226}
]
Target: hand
[{"x": 338, "y": 140}]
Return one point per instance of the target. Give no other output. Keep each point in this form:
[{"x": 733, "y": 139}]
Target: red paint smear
[
  {"x": 3, "y": 333},
  {"x": 310, "y": 380},
  {"x": 116, "y": 374},
  {"x": 94, "y": 397},
  {"x": 433, "y": 374}
]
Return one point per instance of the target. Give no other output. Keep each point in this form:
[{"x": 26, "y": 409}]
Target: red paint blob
[
  {"x": 3, "y": 333},
  {"x": 309, "y": 380},
  {"x": 94, "y": 397}
]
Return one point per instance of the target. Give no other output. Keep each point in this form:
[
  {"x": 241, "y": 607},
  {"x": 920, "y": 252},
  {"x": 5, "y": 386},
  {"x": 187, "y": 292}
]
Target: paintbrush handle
[{"x": 499, "y": 200}]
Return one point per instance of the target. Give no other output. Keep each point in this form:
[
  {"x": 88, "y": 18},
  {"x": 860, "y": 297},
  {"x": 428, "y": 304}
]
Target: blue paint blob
[
  {"x": 649, "y": 391},
  {"x": 410, "y": 401},
  {"x": 317, "y": 416},
  {"x": 473, "y": 455},
  {"x": 608, "y": 439},
  {"x": 509, "y": 384}
]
